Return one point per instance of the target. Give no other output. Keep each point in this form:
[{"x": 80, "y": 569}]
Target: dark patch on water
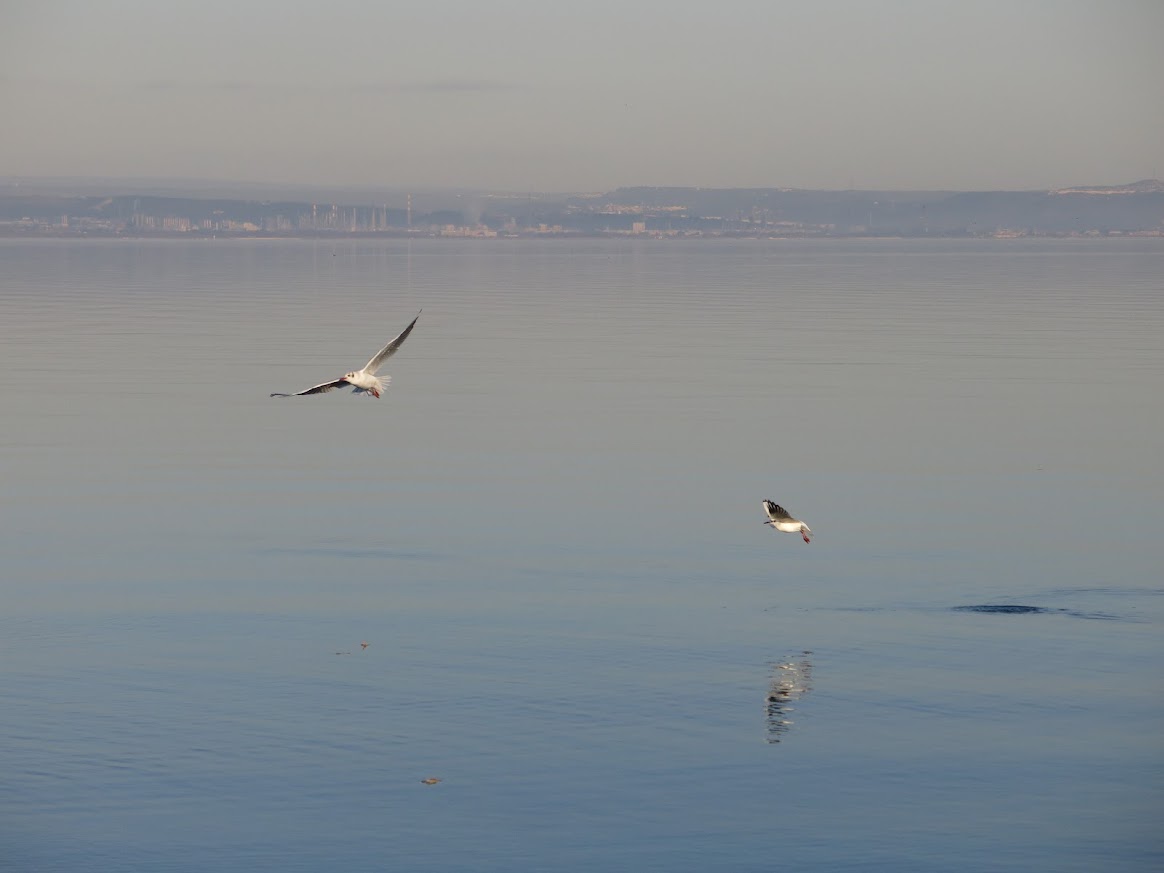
[
  {"x": 992, "y": 609},
  {"x": 1018, "y": 609},
  {"x": 1003, "y": 609}
]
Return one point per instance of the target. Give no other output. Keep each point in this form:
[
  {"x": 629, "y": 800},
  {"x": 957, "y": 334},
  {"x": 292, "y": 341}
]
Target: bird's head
[{"x": 349, "y": 376}]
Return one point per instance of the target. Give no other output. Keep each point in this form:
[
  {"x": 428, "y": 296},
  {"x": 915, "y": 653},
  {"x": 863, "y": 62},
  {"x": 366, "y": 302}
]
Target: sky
[{"x": 564, "y": 96}]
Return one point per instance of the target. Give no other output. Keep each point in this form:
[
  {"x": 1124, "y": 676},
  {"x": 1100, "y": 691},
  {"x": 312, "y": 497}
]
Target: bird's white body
[
  {"x": 793, "y": 526},
  {"x": 363, "y": 381},
  {"x": 782, "y": 520}
]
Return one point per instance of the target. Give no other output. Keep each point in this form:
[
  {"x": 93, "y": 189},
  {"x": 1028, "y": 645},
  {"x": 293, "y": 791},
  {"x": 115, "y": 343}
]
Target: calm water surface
[{"x": 549, "y": 532}]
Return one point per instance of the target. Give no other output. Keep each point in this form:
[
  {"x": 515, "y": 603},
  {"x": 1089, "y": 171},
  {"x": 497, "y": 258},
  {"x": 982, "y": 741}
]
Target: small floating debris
[
  {"x": 343, "y": 653},
  {"x": 431, "y": 780},
  {"x": 1002, "y": 609}
]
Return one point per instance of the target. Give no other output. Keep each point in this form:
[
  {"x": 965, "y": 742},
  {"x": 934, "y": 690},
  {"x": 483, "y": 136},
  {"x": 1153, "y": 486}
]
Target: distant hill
[
  {"x": 1144, "y": 186},
  {"x": 1124, "y": 208}
]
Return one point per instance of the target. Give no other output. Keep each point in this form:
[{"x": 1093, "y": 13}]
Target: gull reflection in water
[{"x": 791, "y": 680}]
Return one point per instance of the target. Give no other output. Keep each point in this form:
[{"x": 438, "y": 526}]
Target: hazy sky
[{"x": 553, "y": 96}]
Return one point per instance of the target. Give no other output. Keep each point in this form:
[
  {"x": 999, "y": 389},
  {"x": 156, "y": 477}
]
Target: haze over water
[{"x": 549, "y": 532}]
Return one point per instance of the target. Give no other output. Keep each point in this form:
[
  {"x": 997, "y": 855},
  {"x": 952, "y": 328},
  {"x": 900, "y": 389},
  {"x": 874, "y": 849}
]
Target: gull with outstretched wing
[{"x": 363, "y": 381}]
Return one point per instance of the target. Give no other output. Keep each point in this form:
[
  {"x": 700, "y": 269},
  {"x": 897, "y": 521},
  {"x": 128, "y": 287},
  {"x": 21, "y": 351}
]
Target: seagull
[
  {"x": 780, "y": 519},
  {"x": 363, "y": 381}
]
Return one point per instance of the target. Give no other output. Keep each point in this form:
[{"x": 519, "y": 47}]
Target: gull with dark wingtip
[
  {"x": 363, "y": 381},
  {"x": 781, "y": 519}
]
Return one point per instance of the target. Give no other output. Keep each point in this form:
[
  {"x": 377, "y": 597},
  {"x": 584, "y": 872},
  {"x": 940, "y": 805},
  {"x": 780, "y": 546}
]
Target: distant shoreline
[{"x": 660, "y": 213}]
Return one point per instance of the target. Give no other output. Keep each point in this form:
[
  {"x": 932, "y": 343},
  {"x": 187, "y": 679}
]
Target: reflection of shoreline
[{"x": 790, "y": 681}]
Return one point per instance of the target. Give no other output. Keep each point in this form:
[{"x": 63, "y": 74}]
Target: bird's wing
[
  {"x": 389, "y": 350},
  {"x": 776, "y": 512},
  {"x": 318, "y": 389}
]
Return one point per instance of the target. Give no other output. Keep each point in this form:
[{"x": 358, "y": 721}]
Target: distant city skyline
[
  {"x": 523, "y": 96},
  {"x": 1130, "y": 210}
]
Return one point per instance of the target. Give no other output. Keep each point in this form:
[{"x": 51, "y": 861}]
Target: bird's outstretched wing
[
  {"x": 776, "y": 512},
  {"x": 318, "y": 389},
  {"x": 389, "y": 350}
]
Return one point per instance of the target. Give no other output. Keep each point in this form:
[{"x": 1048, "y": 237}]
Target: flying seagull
[
  {"x": 363, "y": 381},
  {"x": 780, "y": 519}
]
